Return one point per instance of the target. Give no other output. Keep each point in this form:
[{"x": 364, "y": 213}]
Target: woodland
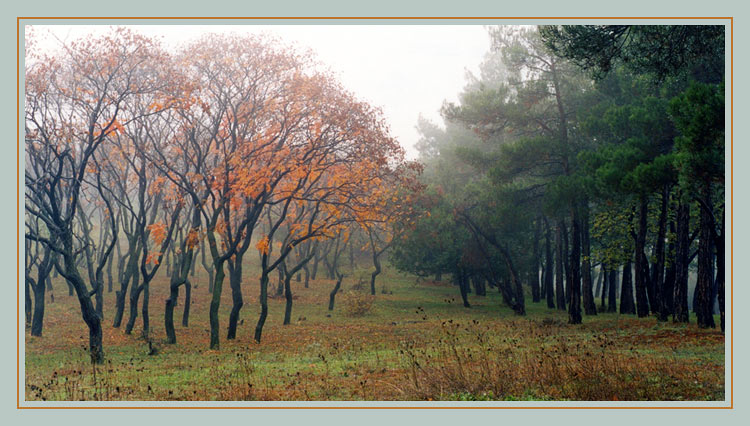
[{"x": 225, "y": 221}]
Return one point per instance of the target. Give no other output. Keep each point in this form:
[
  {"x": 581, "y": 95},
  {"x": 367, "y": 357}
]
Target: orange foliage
[{"x": 157, "y": 232}]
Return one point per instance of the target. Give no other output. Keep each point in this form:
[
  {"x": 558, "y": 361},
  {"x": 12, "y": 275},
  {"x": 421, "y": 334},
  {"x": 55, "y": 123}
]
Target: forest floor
[{"x": 417, "y": 342}]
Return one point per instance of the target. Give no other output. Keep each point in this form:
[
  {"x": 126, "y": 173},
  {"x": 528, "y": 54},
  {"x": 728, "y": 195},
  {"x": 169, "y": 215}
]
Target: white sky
[{"x": 406, "y": 70}]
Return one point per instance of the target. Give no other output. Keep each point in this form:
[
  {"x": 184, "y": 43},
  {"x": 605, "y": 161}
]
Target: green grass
[{"x": 332, "y": 356}]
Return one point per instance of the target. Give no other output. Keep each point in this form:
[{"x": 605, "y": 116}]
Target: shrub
[{"x": 358, "y": 304}]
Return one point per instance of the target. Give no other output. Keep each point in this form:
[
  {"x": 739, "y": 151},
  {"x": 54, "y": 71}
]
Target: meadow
[{"x": 413, "y": 340}]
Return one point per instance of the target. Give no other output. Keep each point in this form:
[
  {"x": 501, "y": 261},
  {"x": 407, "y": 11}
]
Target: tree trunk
[
  {"x": 96, "y": 351},
  {"x": 208, "y": 266},
  {"x": 135, "y": 294},
  {"x": 316, "y": 259},
  {"x": 627, "y": 306},
  {"x": 289, "y": 300},
  {"x": 192, "y": 264},
  {"x": 235, "y": 282},
  {"x": 549, "y": 265},
  {"x": 681, "y": 261},
  {"x": 574, "y": 310},
  {"x": 37, "y": 321},
  {"x": 288, "y": 287},
  {"x": 641, "y": 296},
  {"x": 188, "y": 301},
  {"x": 121, "y": 295},
  {"x": 666, "y": 300},
  {"x": 332, "y": 296},
  {"x": 479, "y": 287},
  {"x": 703, "y": 304},
  {"x": 463, "y": 286},
  {"x": 534, "y": 268},
  {"x": 657, "y": 272},
  {"x": 602, "y": 286},
  {"x": 559, "y": 280},
  {"x": 280, "y": 286},
  {"x": 99, "y": 295},
  {"x": 329, "y": 269},
  {"x": 589, "y": 304},
  {"x": 213, "y": 312},
  {"x": 263, "y": 305},
  {"x": 109, "y": 273},
  {"x": 170, "y": 304},
  {"x": 27, "y": 305},
  {"x": 144, "y": 310},
  {"x": 612, "y": 302},
  {"x": 375, "y": 273}
]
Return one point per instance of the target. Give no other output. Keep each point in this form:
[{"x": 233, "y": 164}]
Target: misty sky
[{"x": 406, "y": 70}]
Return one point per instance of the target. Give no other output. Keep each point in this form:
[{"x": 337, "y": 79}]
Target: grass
[{"x": 415, "y": 342}]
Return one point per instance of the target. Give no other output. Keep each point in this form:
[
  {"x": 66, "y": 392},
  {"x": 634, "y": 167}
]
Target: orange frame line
[{"x": 18, "y": 208}]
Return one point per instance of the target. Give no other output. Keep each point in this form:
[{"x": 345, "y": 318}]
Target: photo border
[{"x": 360, "y": 20}]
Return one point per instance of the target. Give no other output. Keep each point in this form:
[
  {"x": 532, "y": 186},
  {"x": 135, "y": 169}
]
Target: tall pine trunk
[
  {"x": 627, "y": 306},
  {"x": 534, "y": 268},
  {"x": 549, "y": 266},
  {"x": 589, "y": 304},
  {"x": 641, "y": 296},
  {"x": 703, "y": 303},
  {"x": 574, "y": 309},
  {"x": 559, "y": 280},
  {"x": 657, "y": 272},
  {"x": 681, "y": 261}
]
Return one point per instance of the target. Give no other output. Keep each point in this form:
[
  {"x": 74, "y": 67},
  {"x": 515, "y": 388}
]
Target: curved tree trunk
[
  {"x": 188, "y": 301},
  {"x": 170, "y": 304},
  {"x": 96, "y": 351},
  {"x": 121, "y": 295},
  {"x": 332, "y": 296},
  {"x": 135, "y": 294},
  {"x": 27, "y": 303},
  {"x": 263, "y": 305},
  {"x": 37, "y": 321},
  {"x": 213, "y": 312},
  {"x": 235, "y": 282},
  {"x": 375, "y": 273}
]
